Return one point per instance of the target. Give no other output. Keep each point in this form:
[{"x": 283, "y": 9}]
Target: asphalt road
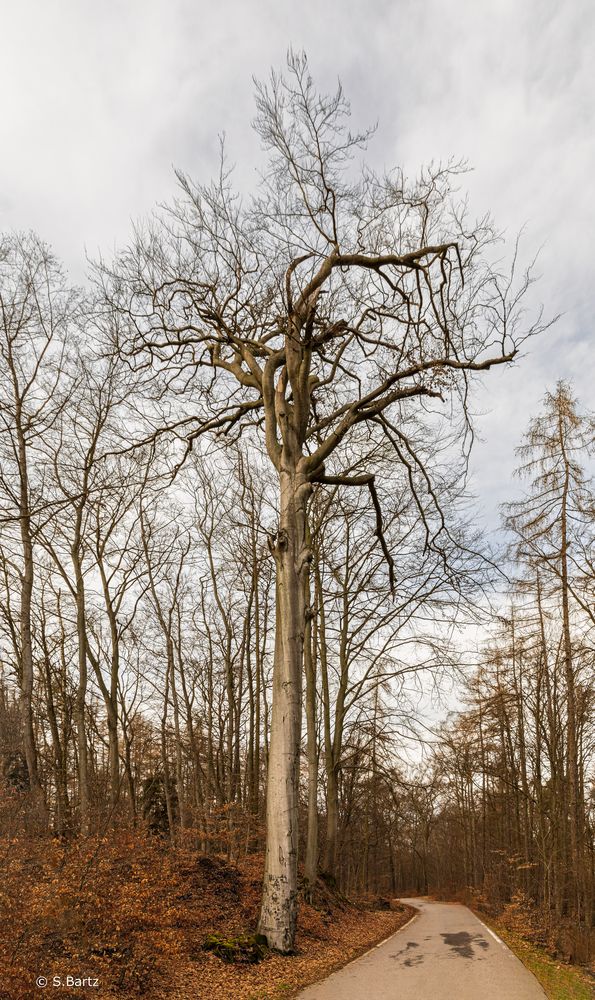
[{"x": 444, "y": 953}]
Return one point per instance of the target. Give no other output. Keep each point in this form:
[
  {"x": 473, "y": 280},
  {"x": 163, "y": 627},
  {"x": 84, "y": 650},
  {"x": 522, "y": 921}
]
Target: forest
[{"x": 248, "y": 619}]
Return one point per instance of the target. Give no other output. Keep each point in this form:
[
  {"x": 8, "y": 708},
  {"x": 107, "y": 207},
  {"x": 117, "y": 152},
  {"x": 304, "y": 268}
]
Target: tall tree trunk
[
  {"x": 167, "y": 788},
  {"x": 332, "y": 791},
  {"x": 311, "y": 864},
  {"x": 81, "y": 694},
  {"x": 178, "y": 735},
  {"x": 60, "y": 762},
  {"x": 26, "y": 672},
  {"x": 571, "y": 734},
  {"x": 255, "y": 790},
  {"x": 278, "y": 915}
]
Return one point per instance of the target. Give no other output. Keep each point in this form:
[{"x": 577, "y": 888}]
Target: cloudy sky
[{"x": 101, "y": 100}]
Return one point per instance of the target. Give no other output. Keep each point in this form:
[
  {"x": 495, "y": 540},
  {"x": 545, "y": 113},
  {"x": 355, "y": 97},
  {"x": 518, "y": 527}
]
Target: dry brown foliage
[{"x": 133, "y": 912}]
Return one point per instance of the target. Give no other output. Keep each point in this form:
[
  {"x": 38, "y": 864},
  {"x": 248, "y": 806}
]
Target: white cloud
[{"x": 100, "y": 100}]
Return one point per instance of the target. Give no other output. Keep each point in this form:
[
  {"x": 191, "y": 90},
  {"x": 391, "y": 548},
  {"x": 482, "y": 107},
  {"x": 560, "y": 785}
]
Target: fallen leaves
[{"x": 135, "y": 913}]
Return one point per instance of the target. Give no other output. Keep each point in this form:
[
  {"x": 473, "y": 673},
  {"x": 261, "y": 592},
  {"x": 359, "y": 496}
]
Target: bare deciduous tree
[
  {"x": 319, "y": 313},
  {"x": 36, "y": 312}
]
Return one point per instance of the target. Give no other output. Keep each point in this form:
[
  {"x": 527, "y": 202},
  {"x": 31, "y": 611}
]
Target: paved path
[{"x": 445, "y": 953}]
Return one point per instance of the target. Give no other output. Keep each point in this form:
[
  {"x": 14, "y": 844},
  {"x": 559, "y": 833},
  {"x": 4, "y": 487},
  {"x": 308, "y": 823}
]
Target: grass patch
[{"x": 560, "y": 981}]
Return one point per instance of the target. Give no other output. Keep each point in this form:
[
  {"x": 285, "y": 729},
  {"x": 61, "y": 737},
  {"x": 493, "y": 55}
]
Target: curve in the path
[{"x": 444, "y": 953}]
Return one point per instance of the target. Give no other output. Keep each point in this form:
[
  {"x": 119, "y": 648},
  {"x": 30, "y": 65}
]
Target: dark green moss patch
[{"x": 242, "y": 950}]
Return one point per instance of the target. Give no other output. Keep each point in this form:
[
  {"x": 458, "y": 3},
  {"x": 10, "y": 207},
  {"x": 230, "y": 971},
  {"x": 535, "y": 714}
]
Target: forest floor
[
  {"x": 135, "y": 915},
  {"x": 323, "y": 946}
]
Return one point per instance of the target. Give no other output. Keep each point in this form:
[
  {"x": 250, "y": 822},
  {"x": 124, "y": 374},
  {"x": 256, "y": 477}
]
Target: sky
[{"x": 102, "y": 100}]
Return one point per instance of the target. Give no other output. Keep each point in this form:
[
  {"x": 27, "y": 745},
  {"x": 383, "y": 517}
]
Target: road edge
[
  {"x": 512, "y": 951},
  {"x": 384, "y": 940},
  {"x": 357, "y": 958}
]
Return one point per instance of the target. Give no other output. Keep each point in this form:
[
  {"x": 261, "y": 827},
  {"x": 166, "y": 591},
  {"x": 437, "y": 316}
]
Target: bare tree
[
  {"x": 548, "y": 523},
  {"x": 368, "y": 641},
  {"x": 36, "y": 313},
  {"x": 319, "y": 313}
]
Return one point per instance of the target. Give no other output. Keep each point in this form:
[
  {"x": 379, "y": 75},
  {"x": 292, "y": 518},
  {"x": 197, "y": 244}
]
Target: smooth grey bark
[{"x": 278, "y": 915}]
